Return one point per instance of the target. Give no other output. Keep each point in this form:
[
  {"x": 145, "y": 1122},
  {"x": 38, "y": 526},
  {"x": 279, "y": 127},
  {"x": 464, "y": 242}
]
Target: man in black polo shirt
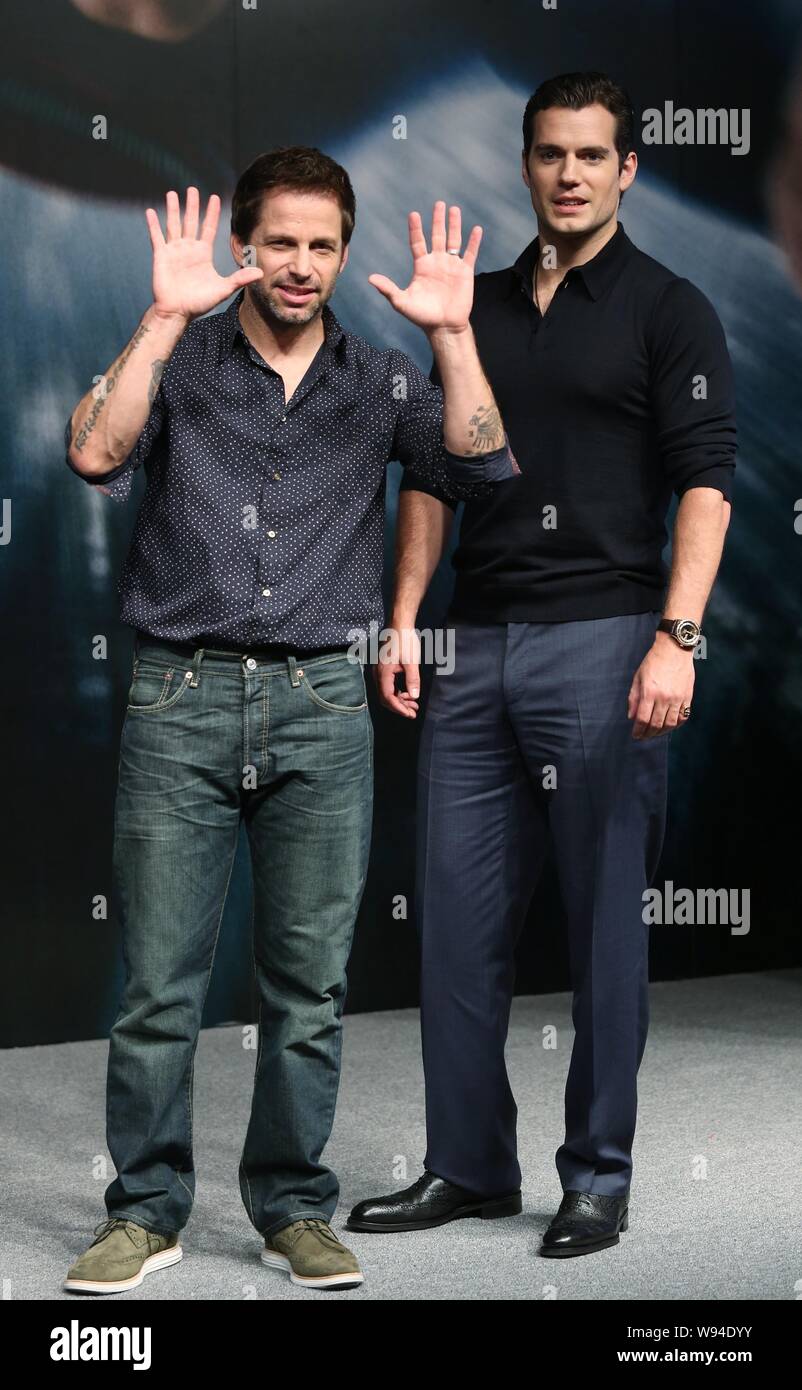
[{"x": 571, "y": 668}]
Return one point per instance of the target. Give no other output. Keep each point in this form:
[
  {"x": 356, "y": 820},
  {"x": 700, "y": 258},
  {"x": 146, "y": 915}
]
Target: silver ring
[{"x": 453, "y": 253}]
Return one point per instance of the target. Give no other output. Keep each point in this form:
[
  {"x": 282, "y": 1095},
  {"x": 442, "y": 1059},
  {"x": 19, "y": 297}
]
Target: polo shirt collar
[
  {"x": 596, "y": 274},
  {"x": 230, "y": 327}
]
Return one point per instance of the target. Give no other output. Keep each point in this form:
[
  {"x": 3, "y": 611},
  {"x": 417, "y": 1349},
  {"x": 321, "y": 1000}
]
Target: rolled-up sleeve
[
  {"x": 117, "y": 482},
  {"x": 692, "y": 390},
  {"x": 419, "y": 446}
]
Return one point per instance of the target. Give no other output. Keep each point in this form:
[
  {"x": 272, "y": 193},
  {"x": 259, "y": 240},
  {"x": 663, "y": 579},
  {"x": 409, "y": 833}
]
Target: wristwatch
[{"x": 685, "y": 631}]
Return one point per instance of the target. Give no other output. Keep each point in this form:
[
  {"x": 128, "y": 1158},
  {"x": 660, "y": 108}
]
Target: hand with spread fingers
[
  {"x": 185, "y": 282},
  {"x": 440, "y": 293}
]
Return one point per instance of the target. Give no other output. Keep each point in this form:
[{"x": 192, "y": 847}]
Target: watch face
[{"x": 687, "y": 632}]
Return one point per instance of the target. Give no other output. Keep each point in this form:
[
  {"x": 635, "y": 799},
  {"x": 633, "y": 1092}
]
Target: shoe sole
[
  {"x": 556, "y": 1252},
  {"x": 487, "y": 1211},
  {"x": 160, "y": 1260},
  {"x": 312, "y": 1281}
]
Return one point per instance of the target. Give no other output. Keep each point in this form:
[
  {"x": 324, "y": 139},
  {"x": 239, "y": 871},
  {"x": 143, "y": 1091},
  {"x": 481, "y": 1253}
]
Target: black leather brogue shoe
[
  {"x": 431, "y": 1201},
  {"x": 585, "y": 1221}
]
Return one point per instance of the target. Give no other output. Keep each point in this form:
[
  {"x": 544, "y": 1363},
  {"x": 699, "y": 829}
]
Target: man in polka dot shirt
[{"x": 264, "y": 432}]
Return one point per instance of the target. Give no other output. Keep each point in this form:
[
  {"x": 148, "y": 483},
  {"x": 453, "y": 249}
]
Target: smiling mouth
[
  {"x": 570, "y": 202},
  {"x": 297, "y": 292}
]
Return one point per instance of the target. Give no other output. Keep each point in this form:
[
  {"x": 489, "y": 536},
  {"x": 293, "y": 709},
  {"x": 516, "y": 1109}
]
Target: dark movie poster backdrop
[{"x": 190, "y": 94}]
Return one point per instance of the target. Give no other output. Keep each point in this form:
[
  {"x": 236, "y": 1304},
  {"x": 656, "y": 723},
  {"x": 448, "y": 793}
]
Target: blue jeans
[{"x": 210, "y": 737}]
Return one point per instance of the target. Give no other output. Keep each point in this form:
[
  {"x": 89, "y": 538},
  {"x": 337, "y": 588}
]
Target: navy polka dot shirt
[{"x": 263, "y": 521}]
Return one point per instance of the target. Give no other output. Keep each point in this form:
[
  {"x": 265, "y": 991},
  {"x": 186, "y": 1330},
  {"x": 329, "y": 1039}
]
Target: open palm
[
  {"x": 440, "y": 293},
  {"x": 185, "y": 281}
]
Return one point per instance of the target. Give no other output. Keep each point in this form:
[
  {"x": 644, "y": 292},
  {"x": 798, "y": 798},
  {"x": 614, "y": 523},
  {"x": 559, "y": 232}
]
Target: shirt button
[
  {"x": 266, "y": 593},
  {"x": 271, "y": 533},
  {"x": 276, "y": 475},
  {"x": 251, "y": 664}
]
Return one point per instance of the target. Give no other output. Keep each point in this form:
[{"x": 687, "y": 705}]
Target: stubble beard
[{"x": 272, "y": 311}]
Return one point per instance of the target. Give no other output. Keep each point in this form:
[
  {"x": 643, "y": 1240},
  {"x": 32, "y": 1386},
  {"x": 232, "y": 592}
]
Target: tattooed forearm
[
  {"x": 156, "y": 370},
  {"x": 486, "y": 430},
  {"x": 107, "y": 384}
]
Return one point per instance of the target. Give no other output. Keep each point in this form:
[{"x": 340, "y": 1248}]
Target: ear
[
  {"x": 236, "y": 248},
  {"x": 344, "y": 261},
  {"x": 524, "y": 170},
  {"x": 628, "y": 171}
]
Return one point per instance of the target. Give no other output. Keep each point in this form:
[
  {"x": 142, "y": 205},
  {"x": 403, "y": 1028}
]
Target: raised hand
[
  {"x": 185, "y": 282},
  {"x": 440, "y": 293}
]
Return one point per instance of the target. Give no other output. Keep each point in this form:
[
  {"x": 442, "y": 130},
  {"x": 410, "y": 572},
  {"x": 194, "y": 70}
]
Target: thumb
[
  {"x": 633, "y": 699},
  {"x": 412, "y": 679},
  {"x": 386, "y": 287},
  {"x": 242, "y": 277}
]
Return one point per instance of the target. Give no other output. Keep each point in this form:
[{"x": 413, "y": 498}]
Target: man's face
[
  {"x": 298, "y": 244},
  {"x": 572, "y": 170}
]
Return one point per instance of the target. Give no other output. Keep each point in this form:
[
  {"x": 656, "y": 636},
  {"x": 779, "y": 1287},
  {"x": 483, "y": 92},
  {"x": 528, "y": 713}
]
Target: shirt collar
[
  {"x": 596, "y": 274},
  {"x": 230, "y": 327}
]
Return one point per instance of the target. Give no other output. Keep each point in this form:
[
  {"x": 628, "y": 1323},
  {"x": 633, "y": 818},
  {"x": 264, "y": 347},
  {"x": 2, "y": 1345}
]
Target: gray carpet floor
[{"x": 716, "y": 1200}]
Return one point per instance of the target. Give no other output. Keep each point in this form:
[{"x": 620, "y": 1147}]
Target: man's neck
[
  {"x": 571, "y": 251},
  {"x": 276, "y": 341}
]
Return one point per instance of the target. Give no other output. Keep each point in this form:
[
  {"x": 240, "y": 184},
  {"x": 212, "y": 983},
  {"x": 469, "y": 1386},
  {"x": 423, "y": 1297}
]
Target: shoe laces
[
  {"x": 106, "y": 1227},
  {"x": 316, "y": 1223}
]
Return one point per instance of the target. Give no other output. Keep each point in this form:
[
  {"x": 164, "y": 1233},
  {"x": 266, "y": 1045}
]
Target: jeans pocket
[
  {"x": 336, "y": 685},
  {"x": 155, "y": 687}
]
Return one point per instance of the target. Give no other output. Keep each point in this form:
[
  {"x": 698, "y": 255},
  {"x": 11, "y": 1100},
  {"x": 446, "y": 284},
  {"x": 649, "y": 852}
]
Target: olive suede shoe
[
  {"x": 311, "y": 1254},
  {"x": 120, "y": 1257}
]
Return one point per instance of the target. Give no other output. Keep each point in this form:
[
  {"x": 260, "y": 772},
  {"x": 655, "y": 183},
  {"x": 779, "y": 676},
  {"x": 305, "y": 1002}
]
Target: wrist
[
  {"x": 665, "y": 641},
  {"x": 451, "y": 336},
  {"x": 402, "y": 618},
  {"x": 685, "y": 633},
  {"x": 168, "y": 317}
]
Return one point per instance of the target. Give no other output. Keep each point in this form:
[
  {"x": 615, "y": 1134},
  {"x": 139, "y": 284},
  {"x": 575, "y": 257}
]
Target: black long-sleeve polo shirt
[{"x": 621, "y": 394}]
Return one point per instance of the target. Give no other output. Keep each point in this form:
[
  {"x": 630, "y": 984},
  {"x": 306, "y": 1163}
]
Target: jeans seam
[
  {"x": 265, "y": 718},
  {"x": 191, "y": 1068},
  {"x": 246, "y": 731},
  {"x": 255, "y": 1080},
  {"x": 338, "y": 1054},
  {"x": 249, "y": 1203}
]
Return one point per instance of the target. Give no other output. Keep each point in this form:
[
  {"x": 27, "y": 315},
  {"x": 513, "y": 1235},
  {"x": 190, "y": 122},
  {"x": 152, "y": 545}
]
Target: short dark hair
[
  {"x": 290, "y": 166},
  {"x": 578, "y": 89}
]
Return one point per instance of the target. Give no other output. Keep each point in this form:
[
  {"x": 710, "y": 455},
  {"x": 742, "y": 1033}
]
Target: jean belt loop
[
  {"x": 292, "y": 667},
  {"x": 196, "y": 661}
]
